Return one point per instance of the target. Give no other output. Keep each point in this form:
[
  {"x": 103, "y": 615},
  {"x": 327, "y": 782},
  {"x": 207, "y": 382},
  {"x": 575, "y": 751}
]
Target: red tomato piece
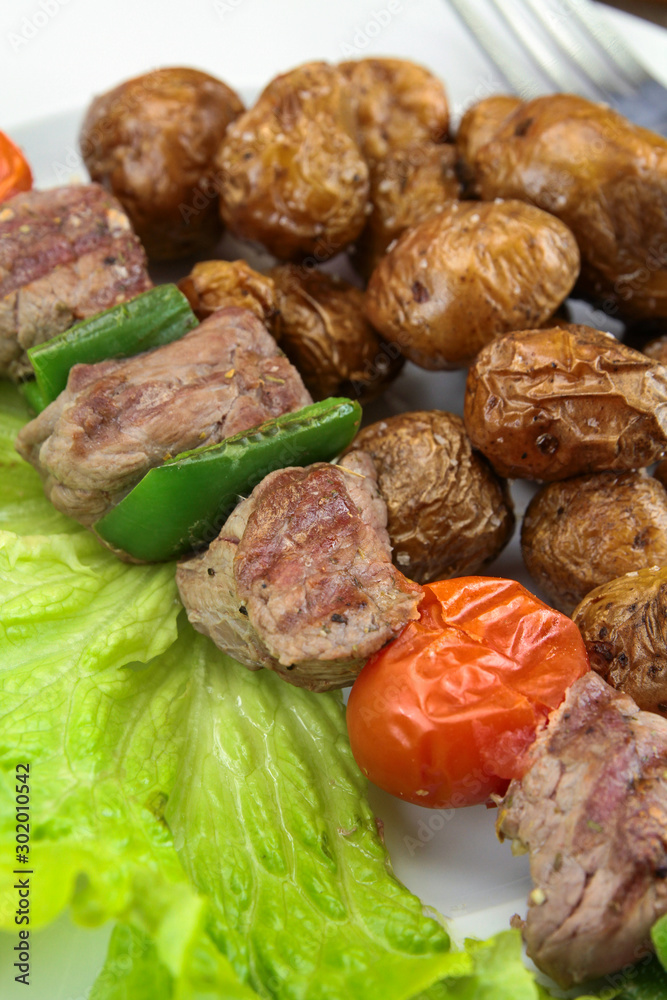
[
  {"x": 15, "y": 173},
  {"x": 442, "y": 715}
]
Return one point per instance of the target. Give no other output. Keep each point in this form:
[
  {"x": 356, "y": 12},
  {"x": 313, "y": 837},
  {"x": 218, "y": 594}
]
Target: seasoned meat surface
[
  {"x": 65, "y": 254},
  {"x": 592, "y": 811},
  {"x": 117, "y": 419},
  {"x": 300, "y": 579}
]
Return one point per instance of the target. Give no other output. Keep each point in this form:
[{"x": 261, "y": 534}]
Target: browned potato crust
[
  {"x": 473, "y": 271},
  {"x": 152, "y": 142},
  {"x": 407, "y": 187},
  {"x": 216, "y": 284},
  {"x": 397, "y": 104},
  {"x": 478, "y": 125},
  {"x": 553, "y": 403},
  {"x": 624, "y": 626},
  {"x": 583, "y": 532},
  {"x": 604, "y": 177},
  {"x": 657, "y": 349},
  {"x": 320, "y": 326},
  {"x": 292, "y": 174},
  {"x": 448, "y": 514}
]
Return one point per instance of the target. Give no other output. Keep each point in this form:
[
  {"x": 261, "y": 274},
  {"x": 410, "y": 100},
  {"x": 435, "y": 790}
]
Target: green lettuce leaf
[
  {"x": 134, "y": 970},
  {"x": 647, "y": 980},
  {"x": 489, "y": 970},
  {"x": 74, "y": 623},
  {"x": 659, "y": 935}
]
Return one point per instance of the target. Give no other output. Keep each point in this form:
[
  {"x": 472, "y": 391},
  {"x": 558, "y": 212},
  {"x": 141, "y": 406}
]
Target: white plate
[{"x": 451, "y": 859}]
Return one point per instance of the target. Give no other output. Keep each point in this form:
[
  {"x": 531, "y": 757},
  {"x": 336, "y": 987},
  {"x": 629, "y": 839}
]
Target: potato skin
[
  {"x": 407, "y": 186},
  {"x": 292, "y": 174},
  {"x": 553, "y": 403},
  {"x": 397, "y": 103},
  {"x": 320, "y": 326},
  {"x": 604, "y": 177},
  {"x": 624, "y": 626},
  {"x": 152, "y": 142},
  {"x": 216, "y": 284},
  {"x": 448, "y": 514},
  {"x": 478, "y": 125},
  {"x": 583, "y": 532},
  {"x": 467, "y": 274},
  {"x": 657, "y": 349}
]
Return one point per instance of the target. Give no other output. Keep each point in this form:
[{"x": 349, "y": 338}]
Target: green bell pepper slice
[
  {"x": 181, "y": 505},
  {"x": 154, "y": 318}
]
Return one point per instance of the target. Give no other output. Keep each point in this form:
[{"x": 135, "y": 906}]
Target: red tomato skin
[
  {"x": 15, "y": 173},
  {"x": 442, "y": 715}
]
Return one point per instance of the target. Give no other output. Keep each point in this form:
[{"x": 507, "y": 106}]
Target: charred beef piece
[
  {"x": 592, "y": 811},
  {"x": 300, "y": 579},
  {"x": 117, "y": 419},
  {"x": 65, "y": 254}
]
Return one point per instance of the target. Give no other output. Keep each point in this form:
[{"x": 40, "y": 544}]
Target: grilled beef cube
[
  {"x": 65, "y": 254},
  {"x": 592, "y": 811},
  {"x": 300, "y": 579},
  {"x": 117, "y": 419}
]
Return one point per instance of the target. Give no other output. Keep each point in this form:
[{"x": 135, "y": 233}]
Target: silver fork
[{"x": 569, "y": 48}]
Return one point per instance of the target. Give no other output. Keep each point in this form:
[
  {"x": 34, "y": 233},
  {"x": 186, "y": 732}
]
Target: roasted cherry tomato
[
  {"x": 443, "y": 714},
  {"x": 15, "y": 174}
]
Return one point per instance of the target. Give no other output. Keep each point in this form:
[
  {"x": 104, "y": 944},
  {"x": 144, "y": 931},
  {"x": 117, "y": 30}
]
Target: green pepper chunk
[
  {"x": 181, "y": 505},
  {"x": 153, "y": 318}
]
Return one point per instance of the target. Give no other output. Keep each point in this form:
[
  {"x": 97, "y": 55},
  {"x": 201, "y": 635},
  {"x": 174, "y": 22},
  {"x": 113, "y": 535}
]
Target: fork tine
[
  {"x": 561, "y": 20},
  {"x": 567, "y": 41},
  {"x": 545, "y": 55},
  {"x": 485, "y": 35},
  {"x": 608, "y": 40}
]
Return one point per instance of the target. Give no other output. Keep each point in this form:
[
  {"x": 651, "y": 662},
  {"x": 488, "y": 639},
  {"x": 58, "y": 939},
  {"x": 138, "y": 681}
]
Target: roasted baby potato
[
  {"x": 407, "y": 186},
  {"x": 553, "y": 403},
  {"x": 657, "y": 349},
  {"x": 603, "y": 176},
  {"x": 473, "y": 271},
  {"x": 624, "y": 625},
  {"x": 216, "y": 284},
  {"x": 152, "y": 142},
  {"x": 481, "y": 121},
  {"x": 448, "y": 514},
  {"x": 477, "y": 127},
  {"x": 292, "y": 174},
  {"x": 396, "y": 104},
  {"x": 320, "y": 326},
  {"x": 583, "y": 532}
]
